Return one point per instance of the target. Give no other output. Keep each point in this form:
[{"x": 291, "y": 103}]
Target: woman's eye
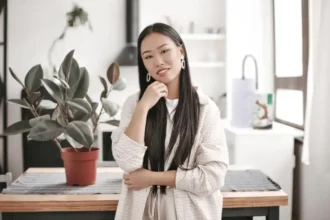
[
  {"x": 165, "y": 51},
  {"x": 148, "y": 57}
]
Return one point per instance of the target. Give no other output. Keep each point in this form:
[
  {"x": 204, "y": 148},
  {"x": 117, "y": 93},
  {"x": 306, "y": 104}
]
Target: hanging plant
[{"x": 76, "y": 17}]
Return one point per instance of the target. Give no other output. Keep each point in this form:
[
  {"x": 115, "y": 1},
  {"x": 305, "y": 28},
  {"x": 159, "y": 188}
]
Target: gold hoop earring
[{"x": 148, "y": 77}]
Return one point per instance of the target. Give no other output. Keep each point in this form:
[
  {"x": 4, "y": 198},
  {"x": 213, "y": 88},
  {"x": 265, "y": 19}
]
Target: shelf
[
  {"x": 202, "y": 36},
  {"x": 207, "y": 64}
]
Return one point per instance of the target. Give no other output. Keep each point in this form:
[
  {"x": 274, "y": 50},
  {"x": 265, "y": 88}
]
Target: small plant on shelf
[{"x": 74, "y": 18}]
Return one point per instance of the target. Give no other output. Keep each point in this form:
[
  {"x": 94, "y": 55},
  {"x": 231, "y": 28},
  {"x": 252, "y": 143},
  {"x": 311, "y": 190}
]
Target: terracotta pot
[{"x": 80, "y": 167}]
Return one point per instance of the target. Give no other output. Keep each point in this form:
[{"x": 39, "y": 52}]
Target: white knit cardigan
[{"x": 197, "y": 192}]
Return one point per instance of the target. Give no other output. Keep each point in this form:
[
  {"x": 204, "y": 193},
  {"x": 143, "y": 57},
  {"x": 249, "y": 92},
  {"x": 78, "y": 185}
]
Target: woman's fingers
[
  {"x": 163, "y": 94},
  {"x": 162, "y": 90},
  {"x": 157, "y": 85}
]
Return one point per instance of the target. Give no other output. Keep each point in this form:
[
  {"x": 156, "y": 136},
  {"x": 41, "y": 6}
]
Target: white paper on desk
[{"x": 242, "y": 102}]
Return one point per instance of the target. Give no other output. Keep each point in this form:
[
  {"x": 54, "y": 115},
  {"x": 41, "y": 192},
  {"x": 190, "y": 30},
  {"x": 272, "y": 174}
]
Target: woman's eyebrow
[{"x": 148, "y": 51}]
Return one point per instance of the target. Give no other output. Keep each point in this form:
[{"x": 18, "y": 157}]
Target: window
[{"x": 291, "y": 61}]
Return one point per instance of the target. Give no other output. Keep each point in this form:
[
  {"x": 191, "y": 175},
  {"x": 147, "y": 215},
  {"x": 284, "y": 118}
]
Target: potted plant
[{"x": 75, "y": 116}]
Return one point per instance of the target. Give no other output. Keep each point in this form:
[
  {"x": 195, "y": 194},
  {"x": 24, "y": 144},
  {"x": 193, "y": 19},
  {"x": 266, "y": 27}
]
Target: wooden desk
[{"x": 65, "y": 207}]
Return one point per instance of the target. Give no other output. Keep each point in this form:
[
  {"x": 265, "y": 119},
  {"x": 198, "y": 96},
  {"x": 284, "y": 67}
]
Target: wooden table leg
[
  {"x": 243, "y": 213},
  {"x": 273, "y": 213}
]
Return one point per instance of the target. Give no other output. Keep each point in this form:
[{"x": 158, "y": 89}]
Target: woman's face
[{"x": 161, "y": 57}]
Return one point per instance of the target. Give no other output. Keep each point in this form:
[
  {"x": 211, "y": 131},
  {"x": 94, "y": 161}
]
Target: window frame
[{"x": 299, "y": 82}]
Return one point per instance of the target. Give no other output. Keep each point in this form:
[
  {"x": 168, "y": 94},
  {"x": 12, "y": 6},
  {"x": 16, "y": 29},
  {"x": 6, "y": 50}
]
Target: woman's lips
[{"x": 162, "y": 71}]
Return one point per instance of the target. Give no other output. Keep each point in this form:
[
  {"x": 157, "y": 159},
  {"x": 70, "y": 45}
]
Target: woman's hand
[
  {"x": 139, "y": 179},
  {"x": 153, "y": 93}
]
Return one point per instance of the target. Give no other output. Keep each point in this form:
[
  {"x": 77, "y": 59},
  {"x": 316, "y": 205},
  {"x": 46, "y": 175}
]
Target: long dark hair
[{"x": 186, "y": 116}]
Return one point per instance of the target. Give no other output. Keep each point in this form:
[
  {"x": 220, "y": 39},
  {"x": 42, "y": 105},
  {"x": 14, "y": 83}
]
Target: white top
[
  {"x": 162, "y": 206},
  {"x": 171, "y": 106},
  {"x": 197, "y": 191}
]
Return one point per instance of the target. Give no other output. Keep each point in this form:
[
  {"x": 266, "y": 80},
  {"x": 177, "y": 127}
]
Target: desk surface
[{"x": 108, "y": 202}]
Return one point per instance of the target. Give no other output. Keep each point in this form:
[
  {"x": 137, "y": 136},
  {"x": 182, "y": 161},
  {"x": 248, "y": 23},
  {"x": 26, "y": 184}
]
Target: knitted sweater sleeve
[
  {"x": 211, "y": 159},
  {"x": 127, "y": 153}
]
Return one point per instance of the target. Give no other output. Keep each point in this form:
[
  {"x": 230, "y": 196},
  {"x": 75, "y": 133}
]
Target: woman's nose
[{"x": 158, "y": 62}]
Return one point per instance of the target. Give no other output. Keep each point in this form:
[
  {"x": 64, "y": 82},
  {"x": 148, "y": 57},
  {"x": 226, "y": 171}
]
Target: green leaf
[
  {"x": 34, "y": 121},
  {"x": 66, "y": 66},
  {"x": 74, "y": 73},
  {"x": 58, "y": 116},
  {"x": 47, "y": 104},
  {"x": 103, "y": 95},
  {"x": 61, "y": 120},
  {"x": 46, "y": 130},
  {"x": 34, "y": 97},
  {"x": 72, "y": 90},
  {"x": 72, "y": 141},
  {"x": 56, "y": 112},
  {"x": 83, "y": 84},
  {"x": 20, "y": 102},
  {"x": 120, "y": 84},
  {"x": 80, "y": 116},
  {"x": 70, "y": 114},
  {"x": 91, "y": 115},
  {"x": 81, "y": 132},
  {"x": 54, "y": 90},
  {"x": 15, "y": 77},
  {"x": 110, "y": 108},
  {"x": 81, "y": 105},
  {"x": 113, "y": 73},
  {"x": 95, "y": 139},
  {"x": 18, "y": 128},
  {"x": 94, "y": 106},
  {"x": 28, "y": 104},
  {"x": 80, "y": 88},
  {"x": 65, "y": 84},
  {"x": 33, "y": 78},
  {"x": 105, "y": 85}
]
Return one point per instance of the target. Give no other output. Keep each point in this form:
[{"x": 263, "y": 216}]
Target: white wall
[
  {"x": 249, "y": 31},
  {"x": 34, "y": 24}
]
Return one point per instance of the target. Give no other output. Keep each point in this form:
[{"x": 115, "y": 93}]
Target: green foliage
[{"x": 75, "y": 115}]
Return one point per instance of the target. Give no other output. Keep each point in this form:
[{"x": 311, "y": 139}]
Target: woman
[{"x": 170, "y": 142}]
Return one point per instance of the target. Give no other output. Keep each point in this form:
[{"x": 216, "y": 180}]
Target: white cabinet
[
  {"x": 207, "y": 62},
  {"x": 271, "y": 151},
  {"x": 205, "y": 50}
]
